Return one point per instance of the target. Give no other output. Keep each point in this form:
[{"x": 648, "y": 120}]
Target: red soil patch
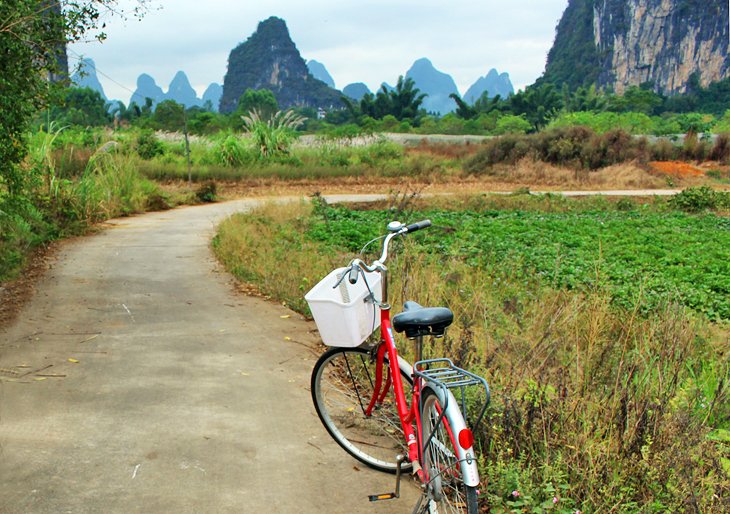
[{"x": 676, "y": 169}]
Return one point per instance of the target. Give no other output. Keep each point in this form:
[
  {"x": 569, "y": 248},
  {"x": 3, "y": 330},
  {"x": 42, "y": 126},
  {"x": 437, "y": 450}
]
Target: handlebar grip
[
  {"x": 354, "y": 269},
  {"x": 418, "y": 225}
]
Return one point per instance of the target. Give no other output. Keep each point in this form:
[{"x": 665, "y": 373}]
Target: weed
[
  {"x": 694, "y": 148},
  {"x": 148, "y": 145},
  {"x": 207, "y": 192},
  {"x": 698, "y": 199},
  {"x": 721, "y": 150}
]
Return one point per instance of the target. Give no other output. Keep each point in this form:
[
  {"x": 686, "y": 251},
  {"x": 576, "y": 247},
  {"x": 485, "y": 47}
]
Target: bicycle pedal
[
  {"x": 390, "y": 496},
  {"x": 378, "y": 497}
]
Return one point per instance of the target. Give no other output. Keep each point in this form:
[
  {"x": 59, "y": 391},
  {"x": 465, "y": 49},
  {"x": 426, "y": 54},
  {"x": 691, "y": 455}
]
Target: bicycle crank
[{"x": 390, "y": 496}]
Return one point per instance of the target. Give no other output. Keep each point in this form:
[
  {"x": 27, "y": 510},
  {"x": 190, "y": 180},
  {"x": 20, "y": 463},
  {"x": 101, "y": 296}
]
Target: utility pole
[{"x": 187, "y": 146}]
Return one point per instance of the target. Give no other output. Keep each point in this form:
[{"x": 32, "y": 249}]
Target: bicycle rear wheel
[
  {"x": 446, "y": 490},
  {"x": 343, "y": 382}
]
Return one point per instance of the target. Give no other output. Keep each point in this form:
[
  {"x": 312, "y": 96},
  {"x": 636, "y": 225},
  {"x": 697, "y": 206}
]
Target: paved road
[{"x": 138, "y": 380}]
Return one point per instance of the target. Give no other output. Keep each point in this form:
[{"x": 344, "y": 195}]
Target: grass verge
[{"x": 598, "y": 405}]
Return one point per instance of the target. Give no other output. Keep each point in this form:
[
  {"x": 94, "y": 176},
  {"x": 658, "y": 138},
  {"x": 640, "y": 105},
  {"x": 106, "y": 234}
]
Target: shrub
[
  {"x": 698, "y": 199},
  {"x": 207, "y": 192},
  {"x": 611, "y": 148},
  {"x": 148, "y": 145},
  {"x": 693, "y": 148},
  {"x": 664, "y": 150},
  {"x": 231, "y": 152},
  {"x": 721, "y": 150},
  {"x": 274, "y": 136},
  {"x": 510, "y": 124},
  {"x": 563, "y": 145},
  {"x": 506, "y": 149}
]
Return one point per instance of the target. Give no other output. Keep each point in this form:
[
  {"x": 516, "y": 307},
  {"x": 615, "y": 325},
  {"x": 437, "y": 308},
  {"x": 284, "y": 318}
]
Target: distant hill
[
  {"x": 147, "y": 88},
  {"x": 436, "y": 84},
  {"x": 319, "y": 72},
  {"x": 493, "y": 83},
  {"x": 85, "y": 76},
  {"x": 269, "y": 59},
  {"x": 213, "y": 95},
  {"x": 356, "y": 91},
  {"x": 622, "y": 43},
  {"x": 182, "y": 92}
]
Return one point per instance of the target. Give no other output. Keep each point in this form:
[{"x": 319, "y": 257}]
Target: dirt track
[{"x": 138, "y": 380}]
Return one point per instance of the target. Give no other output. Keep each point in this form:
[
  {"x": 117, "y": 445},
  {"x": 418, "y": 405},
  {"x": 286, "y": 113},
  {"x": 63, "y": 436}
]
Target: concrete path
[{"x": 138, "y": 380}]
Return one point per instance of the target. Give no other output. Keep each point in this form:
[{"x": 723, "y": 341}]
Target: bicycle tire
[
  {"x": 342, "y": 386},
  {"x": 446, "y": 490}
]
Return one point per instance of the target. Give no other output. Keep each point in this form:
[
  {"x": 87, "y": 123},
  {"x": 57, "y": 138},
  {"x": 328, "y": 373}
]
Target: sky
[{"x": 370, "y": 41}]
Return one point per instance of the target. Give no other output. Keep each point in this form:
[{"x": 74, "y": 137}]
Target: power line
[{"x": 80, "y": 58}]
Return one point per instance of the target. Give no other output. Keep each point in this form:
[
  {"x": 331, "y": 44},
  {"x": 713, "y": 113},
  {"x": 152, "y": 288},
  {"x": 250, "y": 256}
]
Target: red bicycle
[{"x": 351, "y": 383}]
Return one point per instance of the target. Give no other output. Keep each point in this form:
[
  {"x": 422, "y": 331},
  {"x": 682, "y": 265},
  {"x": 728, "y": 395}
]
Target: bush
[
  {"x": 506, "y": 149},
  {"x": 207, "y": 192},
  {"x": 148, "y": 145},
  {"x": 612, "y": 148},
  {"x": 721, "y": 150},
  {"x": 693, "y": 148},
  {"x": 698, "y": 199},
  {"x": 512, "y": 125},
  {"x": 664, "y": 150},
  {"x": 232, "y": 152},
  {"x": 563, "y": 145}
]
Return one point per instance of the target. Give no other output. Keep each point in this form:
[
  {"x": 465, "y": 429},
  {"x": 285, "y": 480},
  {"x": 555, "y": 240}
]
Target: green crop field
[
  {"x": 601, "y": 327},
  {"x": 650, "y": 257}
]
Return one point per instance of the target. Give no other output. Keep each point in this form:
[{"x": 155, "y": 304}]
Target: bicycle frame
[{"x": 410, "y": 414}]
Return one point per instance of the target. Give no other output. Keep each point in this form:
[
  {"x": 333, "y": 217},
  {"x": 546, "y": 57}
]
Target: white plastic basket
[{"x": 344, "y": 315}]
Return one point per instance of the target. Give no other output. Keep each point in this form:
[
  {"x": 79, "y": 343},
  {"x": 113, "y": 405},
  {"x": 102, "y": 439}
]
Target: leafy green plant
[
  {"x": 232, "y": 152},
  {"x": 207, "y": 192},
  {"x": 698, "y": 199},
  {"x": 272, "y": 137},
  {"x": 148, "y": 145}
]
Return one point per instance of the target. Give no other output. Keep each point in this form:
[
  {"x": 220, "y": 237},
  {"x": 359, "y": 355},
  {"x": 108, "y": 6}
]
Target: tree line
[{"x": 639, "y": 109}]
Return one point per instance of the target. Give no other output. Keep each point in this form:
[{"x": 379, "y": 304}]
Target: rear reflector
[{"x": 466, "y": 438}]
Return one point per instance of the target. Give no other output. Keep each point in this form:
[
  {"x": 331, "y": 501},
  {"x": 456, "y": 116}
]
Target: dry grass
[
  {"x": 602, "y": 403},
  {"x": 451, "y": 151},
  {"x": 526, "y": 174},
  {"x": 540, "y": 174}
]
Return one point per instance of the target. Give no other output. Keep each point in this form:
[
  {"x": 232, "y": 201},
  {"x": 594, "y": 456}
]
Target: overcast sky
[{"x": 370, "y": 41}]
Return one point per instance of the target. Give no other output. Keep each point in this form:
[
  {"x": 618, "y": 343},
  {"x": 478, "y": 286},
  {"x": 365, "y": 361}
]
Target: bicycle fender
[{"x": 467, "y": 458}]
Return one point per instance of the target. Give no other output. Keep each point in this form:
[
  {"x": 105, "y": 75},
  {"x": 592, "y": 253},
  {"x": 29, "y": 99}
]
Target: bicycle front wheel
[
  {"x": 343, "y": 383},
  {"x": 446, "y": 490}
]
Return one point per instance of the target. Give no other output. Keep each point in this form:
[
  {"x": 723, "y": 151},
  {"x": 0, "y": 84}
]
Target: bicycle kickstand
[{"x": 390, "y": 496}]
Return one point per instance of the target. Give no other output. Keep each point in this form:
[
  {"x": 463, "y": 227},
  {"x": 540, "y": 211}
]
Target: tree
[
  {"x": 83, "y": 107},
  {"x": 169, "y": 115},
  {"x": 403, "y": 102},
  {"x": 262, "y": 101},
  {"x": 539, "y": 104},
  {"x": 485, "y": 105},
  {"x": 33, "y": 34},
  {"x": 463, "y": 110},
  {"x": 636, "y": 99}
]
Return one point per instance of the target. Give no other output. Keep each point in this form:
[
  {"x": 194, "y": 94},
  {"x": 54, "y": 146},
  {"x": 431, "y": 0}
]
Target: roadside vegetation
[
  {"x": 73, "y": 178},
  {"x": 601, "y": 325}
]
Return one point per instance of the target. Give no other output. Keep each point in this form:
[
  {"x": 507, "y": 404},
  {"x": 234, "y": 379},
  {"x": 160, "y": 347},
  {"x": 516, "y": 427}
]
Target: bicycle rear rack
[{"x": 442, "y": 373}]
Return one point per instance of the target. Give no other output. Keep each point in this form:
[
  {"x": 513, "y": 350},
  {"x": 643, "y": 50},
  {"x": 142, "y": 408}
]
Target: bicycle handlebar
[
  {"x": 418, "y": 225},
  {"x": 396, "y": 229}
]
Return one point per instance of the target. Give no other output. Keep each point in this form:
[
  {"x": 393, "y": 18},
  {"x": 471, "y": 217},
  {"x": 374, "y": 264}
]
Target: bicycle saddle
[{"x": 416, "y": 320}]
